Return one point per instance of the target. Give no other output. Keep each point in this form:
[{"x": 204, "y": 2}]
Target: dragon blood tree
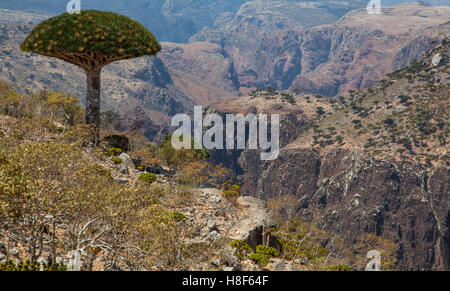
[{"x": 91, "y": 40}]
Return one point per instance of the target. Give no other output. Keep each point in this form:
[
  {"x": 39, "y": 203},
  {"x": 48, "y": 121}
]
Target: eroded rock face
[
  {"x": 254, "y": 221},
  {"x": 272, "y": 48},
  {"x": 403, "y": 202}
]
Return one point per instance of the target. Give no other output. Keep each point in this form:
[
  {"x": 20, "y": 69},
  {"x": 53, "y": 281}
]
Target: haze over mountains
[
  {"x": 177, "y": 20},
  {"x": 173, "y": 20}
]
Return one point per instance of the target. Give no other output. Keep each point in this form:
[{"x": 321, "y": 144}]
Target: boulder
[
  {"x": 279, "y": 265},
  {"x": 127, "y": 164},
  {"x": 254, "y": 222},
  {"x": 437, "y": 60},
  {"x": 156, "y": 169}
]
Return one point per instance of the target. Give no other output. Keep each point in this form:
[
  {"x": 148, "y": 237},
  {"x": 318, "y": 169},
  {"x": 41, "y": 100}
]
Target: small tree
[
  {"x": 320, "y": 111},
  {"x": 91, "y": 40}
]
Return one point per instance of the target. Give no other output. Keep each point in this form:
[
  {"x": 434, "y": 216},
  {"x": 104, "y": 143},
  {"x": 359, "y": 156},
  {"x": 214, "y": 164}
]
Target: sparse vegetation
[{"x": 148, "y": 177}]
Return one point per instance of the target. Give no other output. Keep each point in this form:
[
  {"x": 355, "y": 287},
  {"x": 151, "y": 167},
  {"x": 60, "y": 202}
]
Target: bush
[
  {"x": 117, "y": 160},
  {"x": 241, "y": 249},
  {"x": 28, "y": 267},
  {"x": 266, "y": 250},
  {"x": 230, "y": 190},
  {"x": 389, "y": 122},
  {"x": 177, "y": 158},
  {"x": 263, "y": 254},
  {"x": 114, "y": 151},
  {"x": 230, "y": 194},
  {"x": 339, "y": 268},
  {"x": 148, "y": 177},
  {"x": 177, "y": 216},
  {"x": 12, "y": 103},
  {"x": 320, "y": 111},
  {"x": 260, "y": 259}
]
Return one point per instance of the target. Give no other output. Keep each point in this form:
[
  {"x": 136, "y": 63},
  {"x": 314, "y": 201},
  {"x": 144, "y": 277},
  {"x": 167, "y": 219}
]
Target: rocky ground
[{"x": 210, "y": 218}]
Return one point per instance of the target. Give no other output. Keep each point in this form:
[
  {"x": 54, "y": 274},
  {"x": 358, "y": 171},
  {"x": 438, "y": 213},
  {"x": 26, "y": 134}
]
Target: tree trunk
[{"x": 93, "y": 101}]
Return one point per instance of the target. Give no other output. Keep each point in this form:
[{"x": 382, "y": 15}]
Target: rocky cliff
[
  {"x": 373, "y": 162},
  {"x": 326, "y": 56}
]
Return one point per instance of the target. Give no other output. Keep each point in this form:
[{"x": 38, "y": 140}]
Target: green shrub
[
  {"x": 266, "y": 250},
  {"x": 177, "y": 216},
  {"x": 117, "y": 160},
  {"x": 29, "y": 267},
  {"x": 177, "y": 158},
  {"x": 339, "y": 268},
  {"x": 148, "y": 177},
  {"x": 389, "y": 122},
  {"x": 114, "y": 151},
  {"x": 320, "y": 111},
  {"x": 263, "y": 254},
  {"x": 241, "y": 249},
  {"x": 260, "y": 259}
]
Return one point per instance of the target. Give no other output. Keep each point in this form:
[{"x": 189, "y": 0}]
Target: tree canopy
[{"x": 91, "y": 39}]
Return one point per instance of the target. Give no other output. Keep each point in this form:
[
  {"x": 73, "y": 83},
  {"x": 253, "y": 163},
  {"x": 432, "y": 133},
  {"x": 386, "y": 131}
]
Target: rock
[
  {"x": 59, "y": 260},
  {"x": 213, "y": 235},
  {"x": 156, "y": 169},
  {"x": 280, "y": 265},
  {"x": 230, "y": 260},
  {"x": 122, "y": 180},
  {"x": 172, "y": 172},
  {"x": 437, "y": 60},
  {"x": 220, "y": 212},
  {"x": 14, "y": 251},
  {"x": 126, "y": 161},
  {"x": 255, "y": 219},
  {"x": 215, "y": 263},
  {"x": 400, "y": 108},
  {"x": 215, "y": 199},
  {"x": 123, "y": 169},
  {"x": 394, "y": 185},
  {"x": 228, "y": 269},
  {"x": 211, "y": 224}
]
